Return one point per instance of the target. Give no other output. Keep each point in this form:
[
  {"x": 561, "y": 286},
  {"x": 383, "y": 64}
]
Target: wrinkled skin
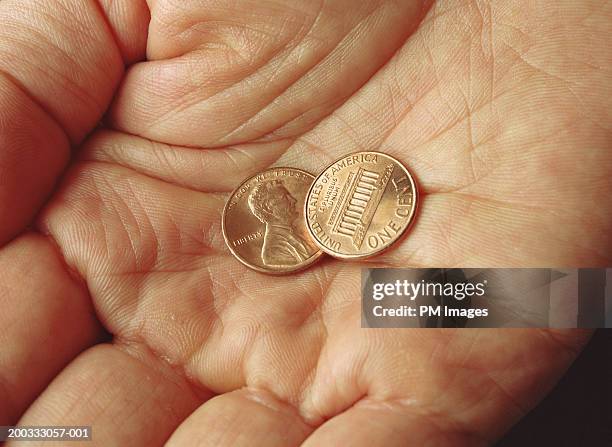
[{"x": 501, "y": 109}]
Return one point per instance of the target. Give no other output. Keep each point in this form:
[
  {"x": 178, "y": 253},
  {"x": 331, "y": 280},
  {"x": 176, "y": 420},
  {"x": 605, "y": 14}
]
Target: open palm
[{"x": 501, "y": 110}]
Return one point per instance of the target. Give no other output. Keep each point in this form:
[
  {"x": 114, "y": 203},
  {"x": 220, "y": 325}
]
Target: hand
[{"x": 502, "y": 111}]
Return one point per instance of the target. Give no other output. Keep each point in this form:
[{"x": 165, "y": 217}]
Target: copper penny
[
  {"x": 263, "y": 222},
  {"x": 360, "y": 205}
]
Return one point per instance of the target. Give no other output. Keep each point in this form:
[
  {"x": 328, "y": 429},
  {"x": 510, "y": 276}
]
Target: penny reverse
[
  {"x": 263, "y": 223},
  {"x": 360, "y": 205}
]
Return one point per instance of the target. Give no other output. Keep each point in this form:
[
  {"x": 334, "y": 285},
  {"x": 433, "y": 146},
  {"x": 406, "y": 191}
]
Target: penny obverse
[
  {"x": 360, "y": 205},
  {"x": 263, "y": 222}
]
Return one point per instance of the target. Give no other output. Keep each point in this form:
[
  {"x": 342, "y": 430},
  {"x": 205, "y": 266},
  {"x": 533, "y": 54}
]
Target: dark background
[{"x": 578, "y": 411}]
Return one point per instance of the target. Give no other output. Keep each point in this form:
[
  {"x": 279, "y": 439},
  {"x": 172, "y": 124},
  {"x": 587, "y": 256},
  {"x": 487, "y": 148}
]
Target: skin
[{"x": 122, "y": 308}]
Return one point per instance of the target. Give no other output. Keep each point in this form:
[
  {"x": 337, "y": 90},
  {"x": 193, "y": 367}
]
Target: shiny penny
[
  {"x": 263, "y": 222},
  {"x": 360, "y": 205}
]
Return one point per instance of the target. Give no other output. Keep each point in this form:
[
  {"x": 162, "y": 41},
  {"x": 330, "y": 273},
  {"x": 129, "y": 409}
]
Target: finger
[
  {"x": 65, "y": 56},
  {"x": 59, "y": 66},
  {"x": 229, "y": 72},
  {"x": 242, "y": 418},
  {"x": 129, "y": 22},
  {"x": 38, "y": 299},
  {"x": 33, "y": 152},
  {"x": 125, "y": 394}
]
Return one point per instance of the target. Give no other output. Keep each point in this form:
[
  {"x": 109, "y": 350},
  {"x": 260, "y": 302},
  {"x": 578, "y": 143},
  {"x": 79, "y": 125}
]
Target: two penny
[{"x": 283, "y": 219}]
